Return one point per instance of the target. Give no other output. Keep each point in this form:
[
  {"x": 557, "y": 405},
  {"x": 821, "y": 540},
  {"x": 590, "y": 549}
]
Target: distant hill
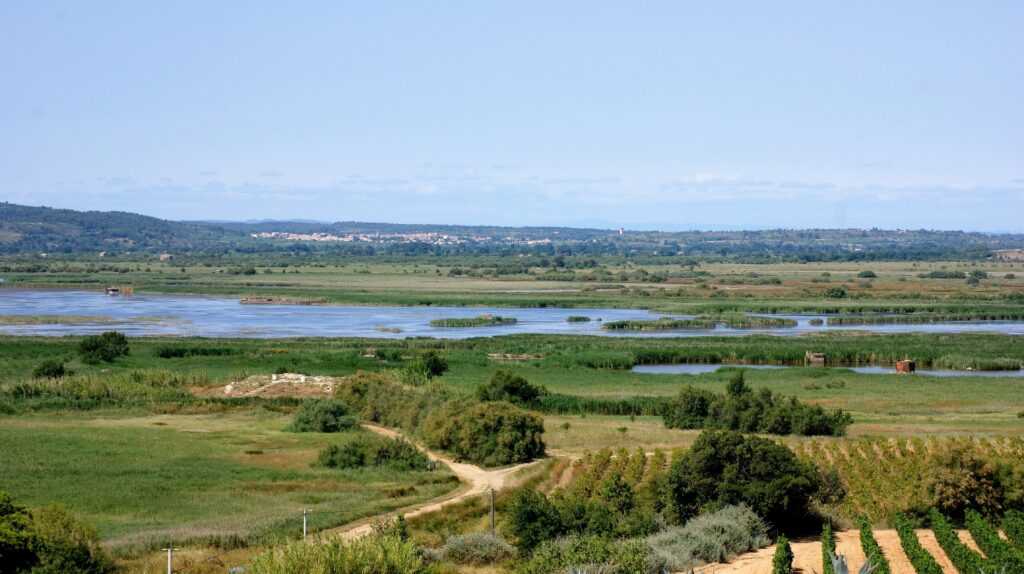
[
  {"x": 32, "y": 230},
  {"x": 25, "y": 229}
]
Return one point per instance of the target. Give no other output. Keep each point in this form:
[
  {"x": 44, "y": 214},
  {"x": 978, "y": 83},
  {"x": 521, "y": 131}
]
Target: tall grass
[{"x": 374, "y": 554}]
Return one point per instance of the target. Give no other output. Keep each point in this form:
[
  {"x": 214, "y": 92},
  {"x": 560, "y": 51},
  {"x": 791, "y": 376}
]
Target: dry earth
[{"x": 807, "y": 556}]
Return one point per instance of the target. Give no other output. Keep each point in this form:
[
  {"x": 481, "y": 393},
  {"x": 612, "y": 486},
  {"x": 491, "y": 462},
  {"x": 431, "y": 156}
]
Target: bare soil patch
[{"x": 291, "y": 385}]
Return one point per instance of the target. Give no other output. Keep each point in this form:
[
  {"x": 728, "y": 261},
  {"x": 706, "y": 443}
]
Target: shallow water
[
  {"x": 694, "y": 369},
  {"x": 207, "y": 316}
]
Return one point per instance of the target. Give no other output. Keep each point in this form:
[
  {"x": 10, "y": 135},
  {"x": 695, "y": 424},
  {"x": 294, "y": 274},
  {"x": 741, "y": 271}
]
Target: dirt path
[
  {"x": 477, "y": 481},
  {"x": 807, "y": 557}
]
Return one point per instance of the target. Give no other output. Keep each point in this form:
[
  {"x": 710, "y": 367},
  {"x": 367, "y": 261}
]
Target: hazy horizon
[{"x": 661, "y": 116}]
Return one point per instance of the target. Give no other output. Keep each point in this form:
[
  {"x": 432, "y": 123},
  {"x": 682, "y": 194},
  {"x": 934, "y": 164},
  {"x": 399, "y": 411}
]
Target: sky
[{"x": 645, "y": 115}]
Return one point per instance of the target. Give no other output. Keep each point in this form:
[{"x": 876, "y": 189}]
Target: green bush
[
  {"x": 491, "y": 433},
  {"x": 49, "y": 369},
  {"x": 103, "y": 348},
  {"x": 711, "y": 537},
  {"x": 48, "y": 540},
  {"x": 745, "y": 410},
  {"x": 835, "y": 293},
  {"x": 179, "y": 351},
  {"x": 323, "y": 416},
  {"x": 726, "y": 467},
  {"x": 782, "y": 561},
  {"x": 373, "y": 554},
  {"x": 369, "y": 450},
  {"x": 592, "y": 554},
  {"x": 507, "y": 386},
  {"x": 477, "y": 549},
  {"x": 867, "y": 274},
  {"x": 431, "y": 364}
]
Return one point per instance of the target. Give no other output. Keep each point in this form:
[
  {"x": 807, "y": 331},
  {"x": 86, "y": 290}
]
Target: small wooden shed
[
  {"x": 814, "y": 359},
  {"x": 906, "y": 366}
]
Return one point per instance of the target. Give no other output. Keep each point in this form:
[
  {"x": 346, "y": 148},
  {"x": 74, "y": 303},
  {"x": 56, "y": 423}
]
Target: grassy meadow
[{"x": 129, "y": 446}]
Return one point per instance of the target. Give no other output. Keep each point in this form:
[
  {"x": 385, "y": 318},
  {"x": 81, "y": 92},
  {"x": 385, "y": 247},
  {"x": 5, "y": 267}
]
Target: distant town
[{"x": 429, "y": 238}]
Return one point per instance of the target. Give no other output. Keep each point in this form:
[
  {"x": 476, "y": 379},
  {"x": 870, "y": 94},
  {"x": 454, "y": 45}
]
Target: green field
[{"x": 232, "y": 478}]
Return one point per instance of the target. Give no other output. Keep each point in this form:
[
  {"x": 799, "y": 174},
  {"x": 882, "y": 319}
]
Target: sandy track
[
  {"x": 477, "y": 482},
  {"x": 807, "y": 556}
]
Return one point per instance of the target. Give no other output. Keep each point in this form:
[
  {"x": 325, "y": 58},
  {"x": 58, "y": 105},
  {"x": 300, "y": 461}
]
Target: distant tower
[{"x": 622, "y": 230}]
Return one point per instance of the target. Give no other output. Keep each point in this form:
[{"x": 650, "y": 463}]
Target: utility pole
[
  {"x": 304, "y": 513},
  {"x": 170, "y": 551},
  {"x": 492, "y": 511}
]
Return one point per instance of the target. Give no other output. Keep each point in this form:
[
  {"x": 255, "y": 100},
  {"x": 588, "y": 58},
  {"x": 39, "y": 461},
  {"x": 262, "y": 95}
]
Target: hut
[
  {"x": 814, "y": 359},
  {"x": 906, "y": 366}
]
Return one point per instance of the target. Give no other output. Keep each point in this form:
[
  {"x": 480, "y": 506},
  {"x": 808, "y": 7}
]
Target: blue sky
[{"x": 673, "y": 115}]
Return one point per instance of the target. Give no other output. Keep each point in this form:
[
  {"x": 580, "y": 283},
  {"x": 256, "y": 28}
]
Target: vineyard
[{"x": 884, "y": 477}]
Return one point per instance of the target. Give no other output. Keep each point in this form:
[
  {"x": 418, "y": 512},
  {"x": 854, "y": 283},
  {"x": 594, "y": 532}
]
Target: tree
[
  {"x": 532, "y": 519},
  {"x": 507, "y": 386},
  {"x": 726, "y": 467},
  {"x": 103, "y": 348},
  {"x": 48, "y": 540},
  {"x": 737, "y": 385}
]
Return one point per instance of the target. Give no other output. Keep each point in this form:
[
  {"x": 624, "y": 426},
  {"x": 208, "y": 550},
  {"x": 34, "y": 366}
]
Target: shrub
[
  {"x": 103, "y": 348},
  {"x": 921, "y": 559},
  {"x": 48, "y": 540},
  {"x": 323, "y": 416},
  {"x": 491, "y": 433},
  {"x": 835, "y": 293},
  {"x": 726, "y": 467},
  {"x": 872, "y": 550},
  {"x": 744, "y": 410},
  {"x": 507, "y": 386},
  {"x": 376, "y": 398},
  {"x": 958, "y": 479},
  {"x": 592, "y": 553},
  {"x": 867, "y": 274},
  {"x": 430, "y": 364},
  {"x": 377, "y": 554},
  {"x": 368, "y": 450},
  {"x": 477, "y": 548},
  {"x": 49, "y": 369},
  {"x": 179, "y": 352},
  {"x": 782, "y": 561},
  {"x": 712, "y": 537}
]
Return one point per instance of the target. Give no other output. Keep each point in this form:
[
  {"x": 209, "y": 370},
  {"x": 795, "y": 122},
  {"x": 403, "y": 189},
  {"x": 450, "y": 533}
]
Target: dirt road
[{"x": 476, "y": 482}]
